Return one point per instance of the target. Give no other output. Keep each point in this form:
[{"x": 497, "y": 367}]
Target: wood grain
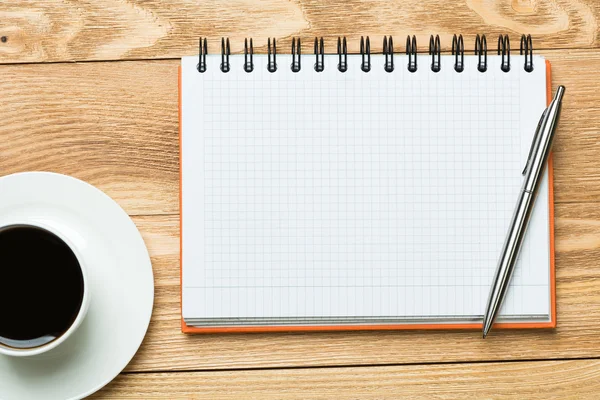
[
  {"x": 524, "y": 380},
  {"x": 115, "y": 125},
  {"x": 577, "y": 335},
  {"x": 57, "y": 30}
]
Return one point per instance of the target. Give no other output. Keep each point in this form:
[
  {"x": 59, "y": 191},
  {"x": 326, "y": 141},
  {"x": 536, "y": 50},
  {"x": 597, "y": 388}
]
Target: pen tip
[{"x": 487, "y": 326}]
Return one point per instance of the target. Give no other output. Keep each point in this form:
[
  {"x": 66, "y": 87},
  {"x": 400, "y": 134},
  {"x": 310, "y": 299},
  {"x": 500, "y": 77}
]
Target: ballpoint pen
[{"x": 533, "y": 172}]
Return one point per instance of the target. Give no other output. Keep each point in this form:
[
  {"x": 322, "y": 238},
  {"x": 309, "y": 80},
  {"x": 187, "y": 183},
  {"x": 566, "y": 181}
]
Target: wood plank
[
  {"x": 514, "y": 380},
  {"x": 577, "y": 335},
  {"x": 115, "y": 125},
  {"x": 577, "y": 141},
  {"x": 56, "y": 30}
]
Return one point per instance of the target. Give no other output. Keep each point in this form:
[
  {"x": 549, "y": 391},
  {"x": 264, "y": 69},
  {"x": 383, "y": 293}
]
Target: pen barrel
[
  {"x": 510, "y": 252},
  {"x": 542, "y": 144}
]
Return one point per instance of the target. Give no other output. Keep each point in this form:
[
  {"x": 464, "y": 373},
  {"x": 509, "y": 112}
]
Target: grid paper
[{"x": 357, "y": 194}]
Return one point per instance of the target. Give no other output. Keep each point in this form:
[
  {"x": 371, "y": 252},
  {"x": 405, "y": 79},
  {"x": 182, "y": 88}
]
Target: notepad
[{"x": 329, "y": 200}]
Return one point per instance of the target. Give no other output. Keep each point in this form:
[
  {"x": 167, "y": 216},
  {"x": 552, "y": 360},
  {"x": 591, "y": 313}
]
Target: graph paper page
[{"x": 316, "y": 195}]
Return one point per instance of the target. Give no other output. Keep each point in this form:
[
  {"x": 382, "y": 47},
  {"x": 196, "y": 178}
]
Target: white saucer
[{"x": 121, "y": 284}]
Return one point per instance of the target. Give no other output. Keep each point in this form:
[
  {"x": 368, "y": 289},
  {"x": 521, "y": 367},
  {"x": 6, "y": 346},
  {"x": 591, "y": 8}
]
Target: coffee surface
[{"x": 41, "y": 287}]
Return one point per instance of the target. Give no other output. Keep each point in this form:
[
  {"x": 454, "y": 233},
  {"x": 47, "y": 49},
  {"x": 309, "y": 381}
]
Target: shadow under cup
[{"x": 42, "y": 287}]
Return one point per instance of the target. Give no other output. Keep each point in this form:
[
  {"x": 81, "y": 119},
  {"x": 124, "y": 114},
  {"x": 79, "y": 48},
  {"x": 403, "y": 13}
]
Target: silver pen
[{"x": 533, "y": 172}]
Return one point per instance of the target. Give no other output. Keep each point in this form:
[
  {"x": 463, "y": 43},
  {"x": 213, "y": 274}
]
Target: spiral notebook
[{"x": 374, "y": 198}]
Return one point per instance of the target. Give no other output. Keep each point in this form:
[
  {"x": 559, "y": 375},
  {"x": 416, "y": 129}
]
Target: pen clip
[{"x": 533, "y": 141}]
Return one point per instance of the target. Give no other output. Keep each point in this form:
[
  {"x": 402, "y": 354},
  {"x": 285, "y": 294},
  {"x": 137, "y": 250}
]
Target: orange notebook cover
[{"x": 424, "y": 326}]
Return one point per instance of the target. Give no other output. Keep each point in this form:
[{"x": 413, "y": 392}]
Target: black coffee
[{"x": 41, "y": 287}]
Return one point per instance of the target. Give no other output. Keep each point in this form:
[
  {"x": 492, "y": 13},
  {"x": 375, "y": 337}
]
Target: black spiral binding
[
  {"x": 411, "y": 52},
  {"x": 202, "y": 51},
  {"x": 365, "y": 51},
  {"x": 296, "y": 55},
  {"x": 319, "y": 55},
  {"x": 458, "y": 50},
  {"x": 527, "y": 49},
  {"x": 248, "y": 63},
  {"x": 388, "y": 51},
  {"x": 435, "y": 51},
  {"x": 225, "y": 52},
  {"x": 504, "y": 50},
  {"x": 342, "y": 50},
  {"x": 481, "y": 51},
  {"x": 272, "y": 64}
]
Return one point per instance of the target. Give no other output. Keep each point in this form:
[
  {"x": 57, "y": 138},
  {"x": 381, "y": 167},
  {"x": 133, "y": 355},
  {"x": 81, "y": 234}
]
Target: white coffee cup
[{"x": 62, "y": 234}]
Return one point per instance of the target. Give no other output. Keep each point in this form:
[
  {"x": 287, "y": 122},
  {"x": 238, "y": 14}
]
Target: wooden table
[{"x": 89, "y": 89}]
